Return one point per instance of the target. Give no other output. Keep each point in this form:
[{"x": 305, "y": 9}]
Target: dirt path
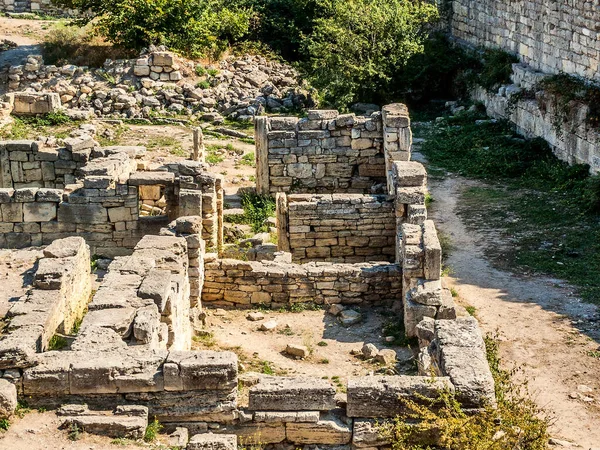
[{"x": 537, "y": 321}]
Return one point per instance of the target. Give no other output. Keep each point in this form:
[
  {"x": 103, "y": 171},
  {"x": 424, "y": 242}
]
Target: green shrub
[
  {"x": 194, "y": 28},
  {"x": 516, "y": 423},
  {"x": 357, "y": 47},
  {"x": 257, "y": 208},
  {"x": 200, "y": 71},
  {"x": 152, "y": 430},
  {"x": 203, "y": 84},
  {"x": 68, "y": 44}
]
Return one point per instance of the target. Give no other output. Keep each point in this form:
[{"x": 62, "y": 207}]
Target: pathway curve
[{"x": 535, "y": 317}]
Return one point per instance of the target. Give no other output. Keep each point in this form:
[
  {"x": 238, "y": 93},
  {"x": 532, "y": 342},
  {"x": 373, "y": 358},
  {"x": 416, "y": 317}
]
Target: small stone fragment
[
  {"x": 269, "y": 325},
  {"x": 255, "y": 316}
]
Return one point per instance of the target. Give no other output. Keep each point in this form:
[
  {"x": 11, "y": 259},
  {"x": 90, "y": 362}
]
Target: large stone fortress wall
[
  {"x": 549, "y": 35},
  {"x": 34, "y": 6}
]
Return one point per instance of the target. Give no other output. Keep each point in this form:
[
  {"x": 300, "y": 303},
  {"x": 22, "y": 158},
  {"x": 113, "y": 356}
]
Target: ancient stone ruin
[{"x": 352, "y": 230}]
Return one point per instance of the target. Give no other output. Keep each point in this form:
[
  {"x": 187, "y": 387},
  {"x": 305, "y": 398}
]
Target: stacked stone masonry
[
  {"x": 35, "y": 6},
  {"x": 548, "y": 35},
  {"x": 93, "y": 192},
  {"x": 236, "y": 283},
  {"x": 575, "y": 141},
  {"x": 340, "y": 227},
  {"x": 131, "y": 353}
]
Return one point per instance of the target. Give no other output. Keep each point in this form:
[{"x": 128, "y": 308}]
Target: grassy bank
[{"x": 547, "y": 210}]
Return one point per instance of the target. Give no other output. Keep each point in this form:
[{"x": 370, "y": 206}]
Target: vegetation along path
[{"x": 545, "y": 330}]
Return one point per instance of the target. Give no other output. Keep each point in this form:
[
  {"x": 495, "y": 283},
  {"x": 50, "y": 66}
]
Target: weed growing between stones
[
  {"x": 257, "y": 208},
  {"x": 548, "y": 209},
  {"x": 152, "y": 430},
  {"x": 74, "y": 432},
  {"x": 4, "y": 424},
  {"x": 57, "y": 343},
  {"x": 515, "y": 423}
]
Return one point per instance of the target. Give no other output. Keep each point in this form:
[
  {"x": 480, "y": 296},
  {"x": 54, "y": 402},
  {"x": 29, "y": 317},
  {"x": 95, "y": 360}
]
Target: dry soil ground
[{"x": 536, "y": 319}]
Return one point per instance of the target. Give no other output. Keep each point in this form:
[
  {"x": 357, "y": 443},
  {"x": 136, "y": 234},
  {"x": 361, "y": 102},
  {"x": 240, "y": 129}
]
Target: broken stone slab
[
  {"x": 297, "y": 350},
  {"x": 286, "y": 416},
  {"x": 151, "y": 178},
  {"x": 18, "y": 348},
  {"x": 210, "y": 441},
  {"x": 189, "y": 225},
  {"x": 386, "y": 356},
  {"x": 49, "y": 376},
  {"x": 336, "y": 308},
  {"x": 367, "y": 434},
  {"x": 156, "y": 286},
  {"x": 67, "y": 247},
  {"x": 349, "y": 317},
  {"x": 426, "y": 292},
  {"x": 125, "y": 422},
  {"x": 146, "y": 325},
  {"x": 178, "y": 438},
  {"x": 379, "y": 397},
  {"x": 425, "y": 331},
  {"x": 118, "y": 319},
  {"x": 414, "y": 313},
  {"x": 329, "y": 430},
  {"x": 269, "y": 325},
  {"x": 99, "y": 339},
  {"x": 8, "y": 398},
  {"x": 200, "y": 370},
  {"x": 292, "y": 394},
  {"x": 255, "y": 316},
  {"x": 460, "y": 353}
]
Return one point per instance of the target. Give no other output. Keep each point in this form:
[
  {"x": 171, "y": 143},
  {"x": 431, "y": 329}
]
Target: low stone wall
[
  {"x": 346, "y": 228},
  {"x": 62, "y": 290},
  {"x": 574, "y": 141},
  {"x": 101, "y": 201},
  {"x": 35, "y": 6},
  {"x": 31, "y": 164},
  {"x": 324, "y": 153},
  {"x": 237, "y": 283}
]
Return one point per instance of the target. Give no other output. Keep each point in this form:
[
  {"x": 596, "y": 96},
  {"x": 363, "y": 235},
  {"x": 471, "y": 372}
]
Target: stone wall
[
  {"x": 574, "y": 140},
  {"x": 100, "y": 201},
  {"x": 35, "y": 6},
  {"x": 328, "y": 152},
  {"x": 236, "y": 283},
  {"x": 323, "y": 153},
  {"x": 339, "y": 227},
  {"x": 548, "y": 35},
  {"x": 31, "y": 164}
]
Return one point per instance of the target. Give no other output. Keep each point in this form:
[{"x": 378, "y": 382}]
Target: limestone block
[
  {"x": 65, "y": 248},
  {"x": 156, "y": 286},
  {"x": 200, "y": 370},
  {"x": 39, "y": 212},
  {"x": 12, "y": 212},
  {"x": 125, "y": 422},
  {"x": 18, "y": 348},
  {"x": 211, "y": 441},
  {"x": 328, "y": 431},
  {"x": 84, "y": 214},
  {"x": 366, "y": 434},
  {"x": 79, "y": 143},
  {"x": 190, "y": 203},
  {"x": 292, "y": 394},
  {"x": 286, "y": 416},
  {"x": 409, "y": 173},
  {"x": 8, "y": 398},
  {"x": 50, "y": 375},
  {"x": 432, "y": 263},
  {"x": 426, "y": 292},
  {"x": 377, "y": 397},
  {"x": 189, "y": 225},
  {"x": 162, "y": 59},
  {"x": 146, "y": 325},
  {"x": 117, "y": 319},
  {"x": 460, "y": 353},
  {"x": 414, "y": 313},
  {"x": 49, "y": 195}
]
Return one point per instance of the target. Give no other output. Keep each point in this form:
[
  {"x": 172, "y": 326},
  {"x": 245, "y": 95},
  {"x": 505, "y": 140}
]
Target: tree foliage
[
  {"x": 196, "y": 27},
  {"x": 358, "y": 46}
]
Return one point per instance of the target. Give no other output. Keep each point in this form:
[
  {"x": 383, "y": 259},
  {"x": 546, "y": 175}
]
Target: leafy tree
[
  {"x": 193, "y": 27},
  {"x": 358, "y": 45}
]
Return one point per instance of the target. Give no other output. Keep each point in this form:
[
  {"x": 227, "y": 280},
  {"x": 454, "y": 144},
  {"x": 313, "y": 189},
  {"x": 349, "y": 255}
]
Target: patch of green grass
[
  {"x": 200, "y": 71},
  {"x": 4, "y": 424},
  {"x": 240, "y": 125},
  {"x": 257, "y": 208},
  {"x": 206, "y": 339},
  {"x": 548, "y": 211},
  {"x": 266, "y": 368},
  {"x": 161, "y": 141},
  {"x": 594, "y": 354},
  {"x": 152, "y": 430},
  {"x": 471, "y": 310},
  {"x": 248, "y": 160},
  {"x": 22, "y": 408},
  {"x": 323, "y": 361},
  {"x": 57, "y": 343},
  {"x": 322, "y": 344},
  {"x": 203, "y": 84},
  {"x": 119, "y": 130},
  {"x": 212, "y": 72},
  {"x": 178, "y": 151},
  {"x": 454, "y": 292},
  {"x": 286, "y": 331}
]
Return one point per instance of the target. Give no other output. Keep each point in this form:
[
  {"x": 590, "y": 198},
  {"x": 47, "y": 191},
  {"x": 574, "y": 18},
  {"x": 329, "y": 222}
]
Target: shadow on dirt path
[{"x": 535, "y": 317}]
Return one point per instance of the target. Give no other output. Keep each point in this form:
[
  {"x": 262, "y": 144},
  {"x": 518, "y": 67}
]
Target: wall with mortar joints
[
  {"x": 346, "y": 228},
  {"x": 242, "y": 284},
  {"x": 548, "y": 35}
]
